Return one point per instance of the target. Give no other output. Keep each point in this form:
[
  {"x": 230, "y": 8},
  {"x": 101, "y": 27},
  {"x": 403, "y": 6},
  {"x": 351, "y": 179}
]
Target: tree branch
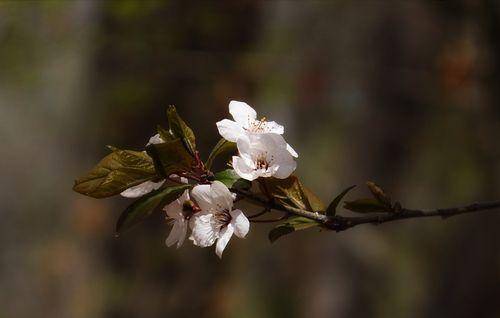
[
  {"x": 340, "y": 223},
  {"x": 272, "y": 205}
]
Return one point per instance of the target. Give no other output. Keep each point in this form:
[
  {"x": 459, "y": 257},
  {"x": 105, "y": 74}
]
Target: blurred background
[{"x": 405, "y": 93}]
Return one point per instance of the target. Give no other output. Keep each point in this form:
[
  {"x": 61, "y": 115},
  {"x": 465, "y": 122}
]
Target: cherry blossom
[
  {"x": 263, "y": 155},
  {"x": 245, "y": 121},
  {"x": 179, "y": 212},
  {"x": 217, "y": 221}
]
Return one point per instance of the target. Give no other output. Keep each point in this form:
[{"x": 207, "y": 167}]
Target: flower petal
[
  {"x": 141, "y": 189},
  {"x": 183, "y": 233},
  {"x": 244, "y": 145},
  {"x": 273, "y": 127},
  {"x": 240, "y": 223},
  {"x": 230, "y": 130},
  {"x": 286, "y": 166},
  {"x": 205, "y": 230},
  {"x": 203, "y": 196},
  {"x": 173, "y": 236},
  {"x": 292, "y": 151},
  {"x": 242, "y": 112},
  {"x": 174, "y": 209},
  {"x": 269, "y": 172},
  {"x": 224, "y": 237},
  {"x": 177, "y": 234},
  {"x": 266, "y": 142},
  {"x": 243, "y": 170},
  {"x": 221, "y": 196}
]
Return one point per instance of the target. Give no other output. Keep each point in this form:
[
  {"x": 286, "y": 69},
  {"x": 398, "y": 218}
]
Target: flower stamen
[
  {"x": 262, "y": 162},
  {"x": 223, "y": 218},
  {"x": 258, "y": 125}
]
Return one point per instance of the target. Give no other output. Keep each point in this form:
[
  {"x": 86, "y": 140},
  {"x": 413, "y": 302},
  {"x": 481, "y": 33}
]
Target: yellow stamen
[{"x": 261, "y": 122}]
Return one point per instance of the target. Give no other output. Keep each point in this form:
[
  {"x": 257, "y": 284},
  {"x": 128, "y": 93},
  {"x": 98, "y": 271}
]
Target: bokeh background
[{"x": 402, "y": 92}]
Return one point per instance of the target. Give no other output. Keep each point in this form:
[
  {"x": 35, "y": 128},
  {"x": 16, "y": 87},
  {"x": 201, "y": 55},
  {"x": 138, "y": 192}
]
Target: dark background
[{"x": 402, "y": 92}]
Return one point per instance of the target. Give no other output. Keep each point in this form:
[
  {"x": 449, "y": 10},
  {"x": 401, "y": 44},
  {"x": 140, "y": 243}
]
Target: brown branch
[
  {"x": 272, "y": 205},
  {"x": 341, "y": 223}
]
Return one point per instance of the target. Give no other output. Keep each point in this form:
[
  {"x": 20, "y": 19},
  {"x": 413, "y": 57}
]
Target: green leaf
[
  {"x": 332, "y": 208},
  {"x": 165, "y": 134},
  {"x": 232, "y": 180},
  {"x": 223, "y": 146},
  {"x": 367, "y": 205},
  {"x": 293, "y": 224},
  {"x": 180, "y": 129},
  {"x": 170, "y": 156},
  {"x": 144, "y": 206},
  {"x": 314, "y": 201},
  {"x": 115, "y": 173},
  {"x": 290, "y": 191}
]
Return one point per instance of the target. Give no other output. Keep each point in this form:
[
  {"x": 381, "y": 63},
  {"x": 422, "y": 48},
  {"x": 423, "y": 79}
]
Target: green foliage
[
  {"x": 223, "y": 146},
  {"x": 295, "y": 223},
  {"x": 332, "y": 208},
  {"x": 232, "y": 180},
  {"x": 379, "y": 203},
  {"x": 115, "y": 173},
  {"x": 291, "y": 192},
  {"x": 165, "y": 134},
  {"x": 170, "y": 156},
  {"x": 179, "y": 129},
  {"x": 144, "y": 207}
]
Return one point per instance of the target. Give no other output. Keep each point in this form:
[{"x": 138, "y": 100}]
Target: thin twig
[
  {"x": 341, "y": 223},
  {"x": 264, "y": 211},
  {"x": 281, "y": 218},
  {"x": 348, "y": 222}
]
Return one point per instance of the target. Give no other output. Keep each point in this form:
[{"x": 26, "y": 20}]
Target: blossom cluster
[
  {"x": 199, "y": 204},
  {"x": 207, "y": 209}
]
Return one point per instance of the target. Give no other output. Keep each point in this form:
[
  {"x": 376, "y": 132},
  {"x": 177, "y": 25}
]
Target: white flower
[
  {"x": 263, "y": 155},
  {"x": 245, "y": 121},
  {"x": 217, "y": 220},
  {"x": 148, "y": 186},
  {"x": 178, "y": 212}
]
